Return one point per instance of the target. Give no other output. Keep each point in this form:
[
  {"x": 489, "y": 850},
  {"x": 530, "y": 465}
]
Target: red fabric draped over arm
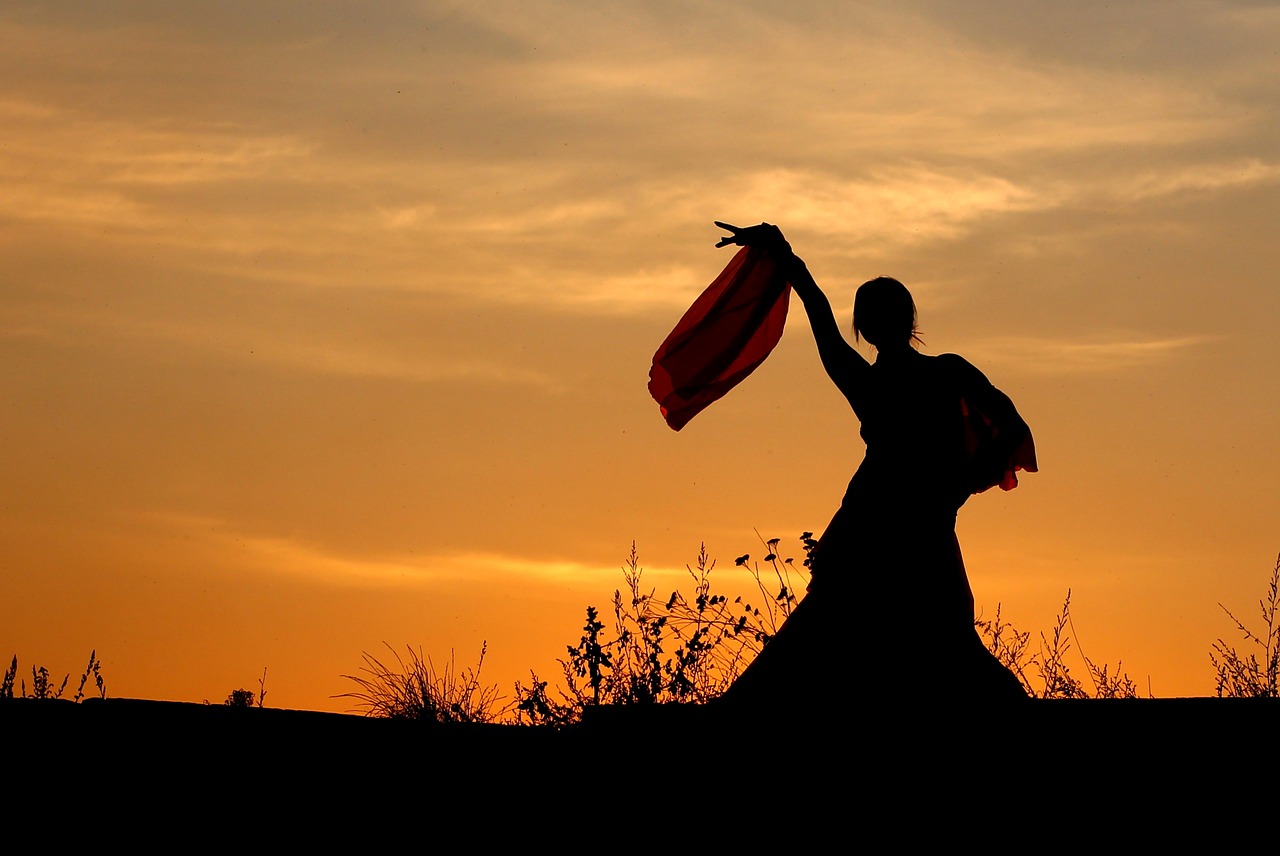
[
  {"x": 727, "y": 332},
  {"x": 999, "y": 444}
]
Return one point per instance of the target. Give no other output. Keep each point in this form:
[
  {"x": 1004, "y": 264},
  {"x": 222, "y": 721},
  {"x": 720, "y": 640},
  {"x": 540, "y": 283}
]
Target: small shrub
[
  {"x": 416, "y": 690},
  {"x": 240, "y": 698},
  {"x": 246, "y": 698},
  {"x": 1241, "y": 676}
]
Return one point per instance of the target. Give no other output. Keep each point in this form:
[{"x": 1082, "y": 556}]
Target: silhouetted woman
[{"x": 889, "y": 609}]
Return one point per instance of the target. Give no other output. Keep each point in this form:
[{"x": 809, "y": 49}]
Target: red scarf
[{"x": 727, "y": 332}]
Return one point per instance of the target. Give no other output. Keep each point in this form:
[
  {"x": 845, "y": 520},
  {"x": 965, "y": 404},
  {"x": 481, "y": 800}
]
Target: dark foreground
[{"x": 291, "y": 773}]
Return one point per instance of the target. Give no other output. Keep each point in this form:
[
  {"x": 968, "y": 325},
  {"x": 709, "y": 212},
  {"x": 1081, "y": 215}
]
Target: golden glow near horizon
[{"x": 327, "y": 326}]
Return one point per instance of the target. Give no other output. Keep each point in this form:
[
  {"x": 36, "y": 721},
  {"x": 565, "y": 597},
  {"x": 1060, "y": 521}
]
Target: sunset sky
[{"x": 326, "y": 325}]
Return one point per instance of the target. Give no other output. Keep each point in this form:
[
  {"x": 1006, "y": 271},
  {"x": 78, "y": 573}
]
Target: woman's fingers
[
  {"x": 763, "y": 235},
  {"x": 728, "y": 239}
]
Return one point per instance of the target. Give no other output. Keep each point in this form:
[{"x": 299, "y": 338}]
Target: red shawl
[{"x": 727, "y": 332}]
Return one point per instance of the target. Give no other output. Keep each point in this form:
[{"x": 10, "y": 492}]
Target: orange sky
[{"x": 325, "y": 326}]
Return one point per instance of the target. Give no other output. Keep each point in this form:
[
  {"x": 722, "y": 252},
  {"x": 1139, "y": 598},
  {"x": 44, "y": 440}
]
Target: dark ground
[{"x": 1150, "y": 765}]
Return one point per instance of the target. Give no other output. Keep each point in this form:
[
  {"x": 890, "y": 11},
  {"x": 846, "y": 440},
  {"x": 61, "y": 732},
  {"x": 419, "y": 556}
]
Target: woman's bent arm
[{"x": 844, "y": 365}]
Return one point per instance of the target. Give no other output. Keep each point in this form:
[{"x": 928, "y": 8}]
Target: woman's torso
[{"x": 913, "y": 425}]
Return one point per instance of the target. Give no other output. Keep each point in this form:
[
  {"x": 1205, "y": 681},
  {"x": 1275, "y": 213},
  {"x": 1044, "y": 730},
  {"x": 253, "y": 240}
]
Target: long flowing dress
[{"x": 889, "y": 610}]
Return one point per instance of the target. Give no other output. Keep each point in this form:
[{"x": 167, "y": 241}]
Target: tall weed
[
  {"x": 1050, "y": 663},
  {"x": 42, "y": 683},
  {"x": 1245, "y": 676}
]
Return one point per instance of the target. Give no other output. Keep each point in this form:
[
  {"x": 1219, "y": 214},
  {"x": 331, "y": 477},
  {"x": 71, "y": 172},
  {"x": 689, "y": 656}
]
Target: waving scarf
[{"x": 725, "y": 334}]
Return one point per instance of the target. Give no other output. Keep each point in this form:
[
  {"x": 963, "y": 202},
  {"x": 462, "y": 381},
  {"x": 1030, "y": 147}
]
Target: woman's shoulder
[
  {"x": 952, "y": 360},
  {"x": 962, "y": 374},
  {"x": 958, "y": 366}
]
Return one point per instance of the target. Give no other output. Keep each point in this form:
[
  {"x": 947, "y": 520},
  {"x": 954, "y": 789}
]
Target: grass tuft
[{"x": 416, "y": 690}]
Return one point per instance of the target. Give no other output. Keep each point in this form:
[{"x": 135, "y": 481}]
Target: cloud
[
  {"x": 349, "y": 362},
  {"x": 67, "y": 167},
  {"x": 341, "y": 359},
  {"x": 180, "y": 159},
  {"x": 547, "y": 120},
  {"x": 904, "y": 205},
  {"x": 527, "y": 154},
  {"x": 1249, "y": 172},
  {"x": 663, "y": 287},
  {"x": 1061, "y": 356},
  {"x": 291, "y": 557}
]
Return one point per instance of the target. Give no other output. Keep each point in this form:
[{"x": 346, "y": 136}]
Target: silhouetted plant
[
  {"x": 1009, "y": 646},
  {"x": 1241, "y": 676},
  {"x": 94, "y": 668},
  {"x": 727, "y": 635},
  {"x": 415, "y": 690},
  {"x": 626, "y": 669},
  {"x": 42, "y": 686},
  {"x": 240, "y": 698},
  {"x": 711, "y": 639},
  {"x": 1053, "y": 675},
  {"x": 42, "y": 683},
  {"x": 246, "y": 698},
  {"x": 1117, "y": 685}
]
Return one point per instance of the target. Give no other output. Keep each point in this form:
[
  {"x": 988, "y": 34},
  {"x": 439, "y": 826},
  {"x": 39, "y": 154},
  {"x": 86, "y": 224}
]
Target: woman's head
[{"x": 884, "y": 314}]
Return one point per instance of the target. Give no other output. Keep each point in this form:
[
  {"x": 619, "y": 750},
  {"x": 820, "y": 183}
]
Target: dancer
[{"x": 889, "y": 609}]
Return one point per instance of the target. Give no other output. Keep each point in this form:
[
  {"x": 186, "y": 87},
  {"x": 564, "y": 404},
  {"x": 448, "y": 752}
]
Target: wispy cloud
[
  {"x": 1062, "y": 356},
  {"x": 1244, "y": 173},
  {"x": 279, "y": 555},
  {"x": 347, "y": 362},
  {"x": 899, "y": 206},
  {"x": 179, "y": 159}
]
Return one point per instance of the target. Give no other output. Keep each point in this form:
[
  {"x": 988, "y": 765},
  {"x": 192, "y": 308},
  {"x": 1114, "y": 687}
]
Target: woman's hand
[{"x": 764, "y": 235}]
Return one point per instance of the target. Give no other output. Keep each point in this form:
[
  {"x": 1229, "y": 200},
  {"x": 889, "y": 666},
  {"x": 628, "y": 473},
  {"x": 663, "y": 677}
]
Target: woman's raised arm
[{"x": 844, "y": 365}]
